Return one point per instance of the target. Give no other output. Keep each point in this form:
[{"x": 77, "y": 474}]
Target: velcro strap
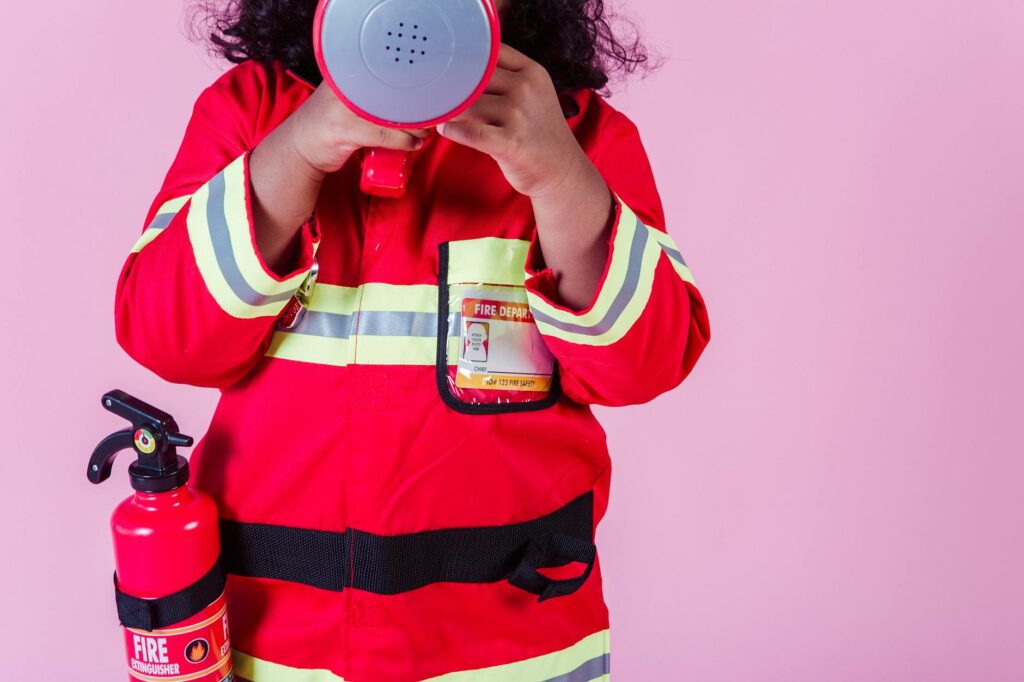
[
  {"x": 157, "y": 614},
  {"x": 390, "y": 564},
  {"x": 553, "y": 549}
]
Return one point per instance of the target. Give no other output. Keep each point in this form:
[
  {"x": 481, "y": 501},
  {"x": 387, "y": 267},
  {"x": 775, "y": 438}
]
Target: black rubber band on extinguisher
[{"x": 157, "y": 614}]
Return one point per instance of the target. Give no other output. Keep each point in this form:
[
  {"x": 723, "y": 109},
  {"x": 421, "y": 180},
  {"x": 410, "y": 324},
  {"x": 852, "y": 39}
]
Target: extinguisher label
[{"x": 198, "y": 649}]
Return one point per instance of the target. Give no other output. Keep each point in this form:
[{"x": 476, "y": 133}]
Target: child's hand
[
  {"x": 289, "y": 166},
  {"x": 519, "y": 122},
  {"x": 325, "y": 132}
]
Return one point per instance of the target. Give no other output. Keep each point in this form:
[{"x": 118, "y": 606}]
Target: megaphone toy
[{"x": 405, "y": 64}]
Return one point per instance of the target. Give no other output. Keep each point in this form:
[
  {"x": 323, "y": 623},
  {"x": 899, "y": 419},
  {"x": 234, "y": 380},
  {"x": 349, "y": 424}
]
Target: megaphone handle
[{"x": 385, "y": 172}]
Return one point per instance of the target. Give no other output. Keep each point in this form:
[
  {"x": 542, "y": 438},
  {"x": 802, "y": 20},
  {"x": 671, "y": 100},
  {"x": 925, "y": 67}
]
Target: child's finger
[
  {"x": 488, "y": 108},
  {"x": 512, "y": 59},
  {"x": 390, "y": 138},
  {"x": 479, "y": 136},
  {"x": 421, "y": 133},
  {"x": 502, "y": 82}
]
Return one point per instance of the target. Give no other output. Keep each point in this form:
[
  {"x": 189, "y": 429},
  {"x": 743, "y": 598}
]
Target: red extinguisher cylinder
[
  {"x": 163, "y": 543},
  {"x": 166, "y": 543}
]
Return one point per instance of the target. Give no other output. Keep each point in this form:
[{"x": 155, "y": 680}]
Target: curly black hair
[{"x": 573, "y": 39}]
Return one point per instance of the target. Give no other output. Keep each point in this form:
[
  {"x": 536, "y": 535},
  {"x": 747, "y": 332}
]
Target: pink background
[{"x": 836, "y": 492}]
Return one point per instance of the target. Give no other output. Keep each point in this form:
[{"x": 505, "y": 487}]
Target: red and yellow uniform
[{"x": 363, "y": 415}]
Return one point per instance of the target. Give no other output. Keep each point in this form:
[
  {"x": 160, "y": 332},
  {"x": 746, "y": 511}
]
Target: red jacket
[{"x": 359, "y": 418}]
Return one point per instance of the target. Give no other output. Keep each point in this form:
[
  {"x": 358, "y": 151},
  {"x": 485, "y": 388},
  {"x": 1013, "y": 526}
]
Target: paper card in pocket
[{"x": 500, "y": 347}]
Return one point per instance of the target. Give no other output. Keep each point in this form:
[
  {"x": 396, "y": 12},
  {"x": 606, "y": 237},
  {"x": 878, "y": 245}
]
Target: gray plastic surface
[{"x": 406, "y": 61}]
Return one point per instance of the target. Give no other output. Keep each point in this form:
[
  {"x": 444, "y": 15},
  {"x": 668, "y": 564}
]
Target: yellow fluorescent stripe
[
  {"x": 624, "y": 233},
  {"x": 254, "y": 669},
  {"x": 489, "y": 260},
  {"x": 629, "y": 315},
  {"x": 666, "y": 240},
  {"x": 206, "y": 260},
  {"x": 534, "y": 669},
  {"x": 682, "y": 271},
  {"x": 148, "y": 236},
  {"x": 458, "y": 292},
  {"x": 414, "y": 298},
  {"x": 174, "y": 205},
  {"x": 151, "y": 233},
  {"x": 330, "y": 298},
  {"x": 369, "y": 350},
  {"x": 236, "y": 213},
  {"x": 305, "y": 348}
]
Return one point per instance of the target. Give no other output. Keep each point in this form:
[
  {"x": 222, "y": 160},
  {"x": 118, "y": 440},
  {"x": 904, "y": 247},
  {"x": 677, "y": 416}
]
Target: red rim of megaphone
[{"x": 492, "y": 63}]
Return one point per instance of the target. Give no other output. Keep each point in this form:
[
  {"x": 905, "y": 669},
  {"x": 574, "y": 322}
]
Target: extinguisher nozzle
[{"x": 179, "y": 440}]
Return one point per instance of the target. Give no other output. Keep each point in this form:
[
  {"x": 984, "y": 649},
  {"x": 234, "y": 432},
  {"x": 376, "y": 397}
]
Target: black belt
[{"x": 390, "y": 564}]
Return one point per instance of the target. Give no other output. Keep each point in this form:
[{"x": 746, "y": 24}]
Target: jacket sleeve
[
  {"x": 195, "y": 301},
  {"x": 647, "y": 325}
]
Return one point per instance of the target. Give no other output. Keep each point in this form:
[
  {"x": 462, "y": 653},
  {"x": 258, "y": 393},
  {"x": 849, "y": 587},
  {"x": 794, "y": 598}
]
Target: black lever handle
[
  {"x": 137, "y": 412},
  {"x": 153, "y": 436},
  {"x": 102, "y": 461}
]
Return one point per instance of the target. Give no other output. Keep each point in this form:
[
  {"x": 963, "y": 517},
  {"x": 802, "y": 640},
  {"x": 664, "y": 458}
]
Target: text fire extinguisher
[{"x": 169, "y": 584}]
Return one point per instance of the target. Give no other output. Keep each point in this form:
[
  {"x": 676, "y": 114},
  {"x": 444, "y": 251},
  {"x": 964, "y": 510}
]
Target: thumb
[
  {"x": 478, "y": 136},
  {"x": 390, "y": 138},
  {"x": 441, "y": 129}
]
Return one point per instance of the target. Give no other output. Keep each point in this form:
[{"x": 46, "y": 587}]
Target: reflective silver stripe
[
  {"x": 377, "y": 323},
  {"x": 161, "y": 221},
  {"x": 673, "y": 254},
  {"x": 223, "y": 251},
  {"x": 368, "y": 323},
  {"x": 622, "y": 298},
  {"x": 588, "y": 670},
  {"x": 318, "y": 323}
]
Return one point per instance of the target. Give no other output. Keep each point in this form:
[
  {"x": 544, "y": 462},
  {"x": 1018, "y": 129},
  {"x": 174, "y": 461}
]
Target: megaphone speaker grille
[
  {"x": 407, "y": 47},
  {"x": 406, "y": 62}
]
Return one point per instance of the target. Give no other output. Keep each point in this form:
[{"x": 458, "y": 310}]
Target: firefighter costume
[{"x": 370, "y": 488}]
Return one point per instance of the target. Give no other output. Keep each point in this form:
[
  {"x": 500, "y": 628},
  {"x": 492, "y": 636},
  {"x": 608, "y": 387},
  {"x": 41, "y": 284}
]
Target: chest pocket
[{"x": 490, "y": 356}]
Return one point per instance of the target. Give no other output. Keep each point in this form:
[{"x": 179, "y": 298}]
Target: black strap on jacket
[
  {"x": 552, "y": 549},
  {"x": 156, "y": 614},
  {"x": 389, "y": 564}
]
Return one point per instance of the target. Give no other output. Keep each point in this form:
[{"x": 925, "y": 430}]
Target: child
[{"x": 404, "y": 454}]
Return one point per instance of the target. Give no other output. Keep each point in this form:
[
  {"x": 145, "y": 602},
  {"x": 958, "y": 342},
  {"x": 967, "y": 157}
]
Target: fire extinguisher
[{"x": 169, "y": 584}]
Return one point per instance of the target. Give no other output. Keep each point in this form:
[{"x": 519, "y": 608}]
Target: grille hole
[
  {"x": 388, "y": 47},
  {"x": 389, "y": 32},
  {"x": 410, "y": 61},
  {"x": 424, "y": 37}
]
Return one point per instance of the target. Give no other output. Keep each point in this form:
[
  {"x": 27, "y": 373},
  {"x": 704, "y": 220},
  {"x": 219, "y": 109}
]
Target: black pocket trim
[{"x": 442, "y": 358}]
